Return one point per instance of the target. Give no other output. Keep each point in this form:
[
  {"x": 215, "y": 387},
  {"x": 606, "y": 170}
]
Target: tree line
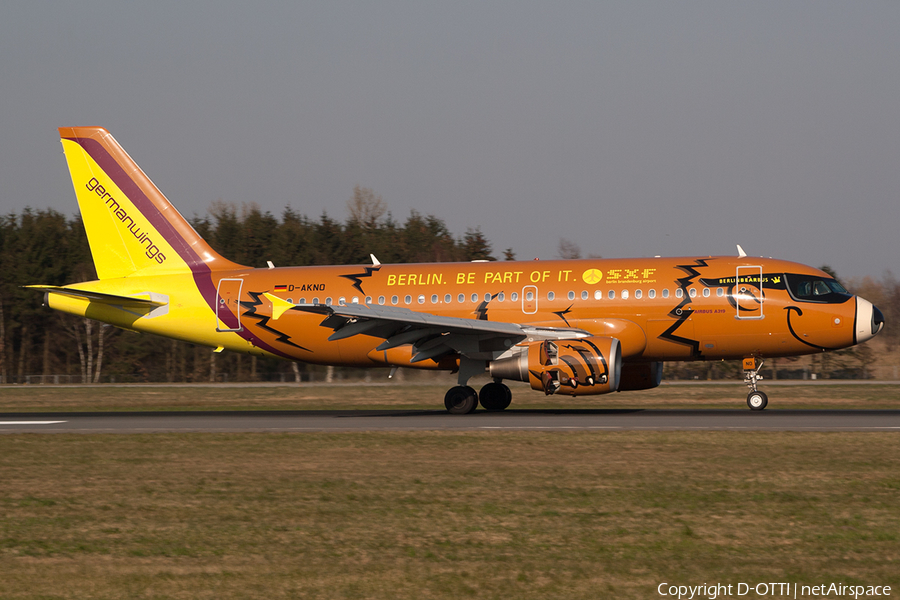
[{"x": 46, "y": 247}]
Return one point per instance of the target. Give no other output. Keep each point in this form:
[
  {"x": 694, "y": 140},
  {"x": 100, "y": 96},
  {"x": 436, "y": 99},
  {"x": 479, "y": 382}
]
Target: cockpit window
[{"x": 809, "y": 288}]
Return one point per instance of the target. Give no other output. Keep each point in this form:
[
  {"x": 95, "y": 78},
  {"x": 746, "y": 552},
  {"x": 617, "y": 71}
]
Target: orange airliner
[{"x": 568, "y": 327}]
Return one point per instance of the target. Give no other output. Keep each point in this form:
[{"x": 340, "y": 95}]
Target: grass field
[
  {"x": 440, "y": 515},
  {"x": 443, "y": 515},
  {"x": 39, "y": 398}
]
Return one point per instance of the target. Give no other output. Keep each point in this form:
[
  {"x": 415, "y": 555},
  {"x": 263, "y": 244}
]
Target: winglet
[
  {"x": 741, "y": 252},
  {"x": 374, "y": 260},
  {"x": 279, "y": 306}
]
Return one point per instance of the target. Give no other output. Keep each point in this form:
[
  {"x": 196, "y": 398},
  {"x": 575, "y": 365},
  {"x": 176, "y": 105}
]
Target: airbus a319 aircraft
[{"x": 567, "y": 327}]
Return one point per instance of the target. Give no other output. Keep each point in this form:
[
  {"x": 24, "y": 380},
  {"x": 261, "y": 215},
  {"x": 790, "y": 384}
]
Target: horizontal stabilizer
[{"x": 111, "y": 299}]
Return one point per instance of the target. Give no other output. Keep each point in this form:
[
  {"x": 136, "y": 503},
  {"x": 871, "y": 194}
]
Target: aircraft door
[
  {"x": 748, "y": 292},
  {"x": 228, "y": 307},
  {"x": 529, "y": 299}
]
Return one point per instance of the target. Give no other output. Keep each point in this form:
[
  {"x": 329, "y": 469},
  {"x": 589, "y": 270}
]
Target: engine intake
[{"x": 578, "y": 367}]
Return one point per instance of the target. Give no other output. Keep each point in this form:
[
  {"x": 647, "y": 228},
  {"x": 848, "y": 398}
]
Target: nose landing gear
[{"x": 756, "y": 400}]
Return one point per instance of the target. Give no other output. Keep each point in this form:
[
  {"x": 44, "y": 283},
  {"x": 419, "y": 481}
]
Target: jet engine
[{"x": 578, "y": 367}]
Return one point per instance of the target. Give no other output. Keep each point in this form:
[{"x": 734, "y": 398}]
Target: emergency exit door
[
  {"x": 529, "y": 299},
  {"x": 748, "y": 292},
  {"x": 228, "y": 307}
]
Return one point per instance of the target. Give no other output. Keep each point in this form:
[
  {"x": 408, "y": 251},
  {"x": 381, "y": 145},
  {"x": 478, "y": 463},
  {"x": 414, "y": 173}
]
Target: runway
[{"x": 438, "y": 420}]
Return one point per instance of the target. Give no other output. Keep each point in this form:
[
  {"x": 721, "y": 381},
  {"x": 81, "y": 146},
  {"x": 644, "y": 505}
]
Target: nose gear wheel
[{"x": 756, "y": 400}]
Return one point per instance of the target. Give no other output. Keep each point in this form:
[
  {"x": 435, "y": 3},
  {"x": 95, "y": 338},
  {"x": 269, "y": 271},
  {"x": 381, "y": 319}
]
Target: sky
[{"x": 630, "y": 128}]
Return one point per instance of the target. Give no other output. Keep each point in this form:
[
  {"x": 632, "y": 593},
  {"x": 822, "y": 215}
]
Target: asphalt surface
[{"x": 438, "y": 420}]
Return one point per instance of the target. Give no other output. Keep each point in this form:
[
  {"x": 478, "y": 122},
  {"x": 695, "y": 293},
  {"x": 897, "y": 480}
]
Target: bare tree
[
  {"x": 101, "y": 339},
  {"x": 365, "y": 207},
  {"x": 91, "y": 361},
  {"x": 212, "y": 366},
  {"x": 2, "y": 344},
  {"x": 568, "y": 249}
]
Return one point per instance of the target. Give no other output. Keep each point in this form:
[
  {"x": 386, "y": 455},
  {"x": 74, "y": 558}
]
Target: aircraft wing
[{"x": 431, "y": 336}]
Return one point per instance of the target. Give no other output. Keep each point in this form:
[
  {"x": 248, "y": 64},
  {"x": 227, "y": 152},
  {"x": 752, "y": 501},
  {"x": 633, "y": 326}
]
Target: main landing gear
[
  {"x": 756, "y": 400},
  {"x": 462, "y": 400}
]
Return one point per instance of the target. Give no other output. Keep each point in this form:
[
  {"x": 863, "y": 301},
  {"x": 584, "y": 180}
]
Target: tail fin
[{"x": 131, "y": 227}]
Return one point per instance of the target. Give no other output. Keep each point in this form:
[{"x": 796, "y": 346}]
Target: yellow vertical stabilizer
[{"x": 131, "y": 227}]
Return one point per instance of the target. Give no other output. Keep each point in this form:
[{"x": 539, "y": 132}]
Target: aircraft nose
[{"x": 869, "y": 320}]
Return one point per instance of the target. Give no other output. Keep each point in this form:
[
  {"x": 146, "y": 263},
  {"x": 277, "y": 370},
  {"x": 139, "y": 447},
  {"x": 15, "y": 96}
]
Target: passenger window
[
  {"x": 407, "y": 299},
  {"x": 461, "y": 298},
  {"x": 571, "y": 295},
  {"x": 598, "y": 295},
  {"x": 394, "y": 299},
  {"x": 290, "y": 301},
  {"x": 448, "y": 298},
  {"x": 342, "y": 301},
  {"x": 514, "y": 296},
  {"x": 474, "y": 297},
  {"x": 651, "y": 294},
  {"x": 381, "y": 300},
  {"x": 706, "y": 292},
  {"x": 529, "y": 296},
  {"x": 624, "y": 294},
  {"x": 328, "y": 301},
  {"x": 500, "y": 297},
  {"x": 584, "y": 295},
  {"x": 720, "y": 292},
  {"x": 638, "y": 294},
  {"x": 665, "y": 293},
  {"x": 421, "y": 298},
  {"x": 301, "y": 301},
  {"x": 550, "y": 295},
  {"x": 434, "y": 298},
  {"x": 679, "y": 293},
  {"x": 487, "y": 297},
  {"x": 355, "y": 300},
  {"x": 693, "y": 292},
  {"x": 612, "y": 294},
  {"x": 315, "y": 301}
]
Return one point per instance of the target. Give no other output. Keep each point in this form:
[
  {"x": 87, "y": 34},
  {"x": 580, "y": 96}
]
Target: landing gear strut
[{"x": 756, "y": 400}]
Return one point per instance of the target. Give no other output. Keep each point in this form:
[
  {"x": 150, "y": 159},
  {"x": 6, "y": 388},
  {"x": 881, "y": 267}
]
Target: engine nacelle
[
  {"x": 641, "y": 376},
  {"x": 578, "y": 367}
]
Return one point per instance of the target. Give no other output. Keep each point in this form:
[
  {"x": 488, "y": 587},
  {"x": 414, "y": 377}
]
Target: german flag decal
[{"x": 281, "y": 288}]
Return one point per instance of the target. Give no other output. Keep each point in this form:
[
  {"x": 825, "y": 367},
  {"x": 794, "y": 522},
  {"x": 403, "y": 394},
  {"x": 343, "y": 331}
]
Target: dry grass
[
  {"x": 404, "y": 396},
  {"x": 442, "y": 515}
]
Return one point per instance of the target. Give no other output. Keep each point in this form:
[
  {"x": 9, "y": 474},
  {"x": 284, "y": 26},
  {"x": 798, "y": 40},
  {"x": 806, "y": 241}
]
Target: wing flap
[{"x": 430, "y": 335}]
